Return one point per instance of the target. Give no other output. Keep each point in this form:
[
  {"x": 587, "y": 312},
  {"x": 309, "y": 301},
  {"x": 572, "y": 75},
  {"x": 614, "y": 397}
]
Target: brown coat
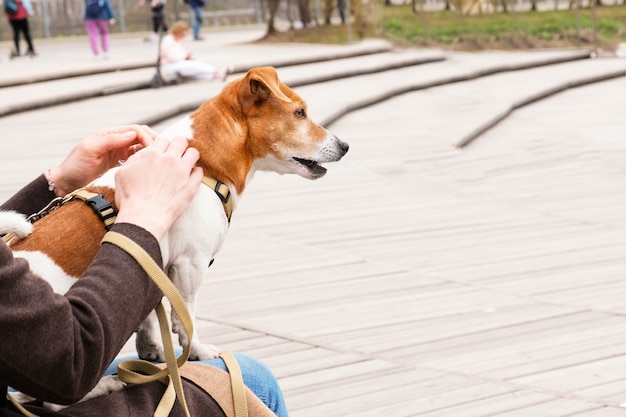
[{"x": 56, "y": 347}]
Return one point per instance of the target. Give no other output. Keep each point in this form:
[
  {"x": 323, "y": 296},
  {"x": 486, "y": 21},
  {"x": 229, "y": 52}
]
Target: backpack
[
  {"x": 93, "y": 8},
  {"x": 10, "y": 7}
]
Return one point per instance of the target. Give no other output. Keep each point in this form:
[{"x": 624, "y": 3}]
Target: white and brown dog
[{"x": 255, "y": 123}]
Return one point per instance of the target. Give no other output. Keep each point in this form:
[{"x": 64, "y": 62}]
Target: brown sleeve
[
  {"x": 56, "y": 347},
  {"x": 30, "y": 199}
]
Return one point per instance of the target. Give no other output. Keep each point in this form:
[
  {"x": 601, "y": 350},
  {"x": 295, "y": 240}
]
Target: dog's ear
[{"x": 264, "y": 82}]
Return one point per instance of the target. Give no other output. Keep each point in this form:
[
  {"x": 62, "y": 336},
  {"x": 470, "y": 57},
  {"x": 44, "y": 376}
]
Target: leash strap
[
  {"x": 20, "y": 407},
  {"x": 236, "y": 383},
  {"x": 138, "y": 371}
]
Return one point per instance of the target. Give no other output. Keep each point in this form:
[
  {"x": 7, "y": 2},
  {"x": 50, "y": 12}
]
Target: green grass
[
  {"x": 449, "y": 29},
  {"x": 505, "y": 30}
]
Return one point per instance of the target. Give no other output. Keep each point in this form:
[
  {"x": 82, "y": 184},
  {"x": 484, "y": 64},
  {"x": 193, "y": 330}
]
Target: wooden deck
[{"x": 417, "y": 279}]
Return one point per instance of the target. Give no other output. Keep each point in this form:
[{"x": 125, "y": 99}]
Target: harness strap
[
  {"x": 96, "y": 201},
  {"x": 223, "y": 192},
  {"x": 102, "y": 207}
]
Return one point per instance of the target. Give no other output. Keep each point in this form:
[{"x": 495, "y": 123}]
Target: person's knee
[{"x": 258, "y": 377}]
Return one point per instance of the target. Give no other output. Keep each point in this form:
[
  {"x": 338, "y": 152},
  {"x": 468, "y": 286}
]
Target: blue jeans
[
  {"x": 197, "y": 21},
  {"x": 256, "y": 376}
]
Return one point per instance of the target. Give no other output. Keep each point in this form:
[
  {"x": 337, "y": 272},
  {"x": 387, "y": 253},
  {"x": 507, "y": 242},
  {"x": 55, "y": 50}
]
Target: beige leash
[
  {"x": 141, "y": 372},
  {"x": 236, "y": 383}
]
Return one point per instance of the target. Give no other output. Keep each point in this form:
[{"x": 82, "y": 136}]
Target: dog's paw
[
  {"x": 200, "y": 352},
  {"x": 20, "y": 397},
  {"x": 106, "y": 385},
  {"x": 16, "y": 223},
  {"x": 149, "y": 349}
]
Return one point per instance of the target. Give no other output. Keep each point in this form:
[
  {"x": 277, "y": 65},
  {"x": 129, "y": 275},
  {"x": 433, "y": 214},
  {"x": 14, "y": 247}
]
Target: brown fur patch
[{"x": 70, "y": 235}]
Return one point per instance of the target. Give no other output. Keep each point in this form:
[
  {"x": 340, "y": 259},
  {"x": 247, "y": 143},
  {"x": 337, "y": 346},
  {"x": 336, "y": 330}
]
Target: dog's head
[{"x": 281, "y": 136}]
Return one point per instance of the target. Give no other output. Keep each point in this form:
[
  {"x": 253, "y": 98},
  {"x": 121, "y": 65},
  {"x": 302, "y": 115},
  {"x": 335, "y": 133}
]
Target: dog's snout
[{"x": 343, "y": 145}]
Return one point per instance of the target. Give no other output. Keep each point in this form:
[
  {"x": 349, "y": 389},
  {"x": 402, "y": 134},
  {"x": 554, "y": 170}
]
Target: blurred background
[{"x": 460, "y": 24}]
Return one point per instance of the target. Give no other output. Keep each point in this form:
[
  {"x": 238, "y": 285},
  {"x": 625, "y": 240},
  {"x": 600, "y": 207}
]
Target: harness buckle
[
  {"x": 103, "y": 208},
  {"x": 223, "y": 195}
]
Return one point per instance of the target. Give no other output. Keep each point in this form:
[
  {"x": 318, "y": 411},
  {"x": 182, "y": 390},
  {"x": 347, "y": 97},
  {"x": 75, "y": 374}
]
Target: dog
[{"x": 256, "y": 123}]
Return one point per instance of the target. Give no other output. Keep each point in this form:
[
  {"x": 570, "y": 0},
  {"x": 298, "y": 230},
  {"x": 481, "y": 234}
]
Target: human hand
[
  {"x": 155, "y": 186},
  {"x": 97, "y": 153},
  {"x": 111, "y": 21}
]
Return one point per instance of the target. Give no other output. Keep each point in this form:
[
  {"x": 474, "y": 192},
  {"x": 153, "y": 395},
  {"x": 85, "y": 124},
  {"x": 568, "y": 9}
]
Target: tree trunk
[
  {"x": 272, "y": 6},
  {"x": 305, "y": 12},
  {"x": 328, "y": 11},
  {"x": 357, "y": 12}
]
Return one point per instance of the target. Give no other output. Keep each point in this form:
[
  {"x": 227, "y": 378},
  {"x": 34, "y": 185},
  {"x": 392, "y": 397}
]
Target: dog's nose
[{"x": 343, "y": 145}]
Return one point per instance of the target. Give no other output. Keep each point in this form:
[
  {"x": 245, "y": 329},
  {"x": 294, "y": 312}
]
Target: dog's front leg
[
  {"x": 187, "y": 278},
  {"x": 197, "y": 351},
  {"x": 148, "y": 339}
]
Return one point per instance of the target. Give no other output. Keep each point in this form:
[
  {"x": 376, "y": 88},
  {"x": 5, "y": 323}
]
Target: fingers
[
  {"x": 179, "y": 147},
  {"x": 145, "y": 136},
  {"x": 160, "y": 144},
  {"x": 117, "y": 137},
  {"x": 155, "y": 186}
]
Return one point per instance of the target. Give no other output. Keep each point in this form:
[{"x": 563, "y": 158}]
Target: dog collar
[{"x": 223, "y": 192}]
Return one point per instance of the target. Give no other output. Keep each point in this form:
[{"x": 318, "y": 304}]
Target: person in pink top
[
  {"x": 98, "y": 16},
  {"x": 17, "y": 12},
  {"x": 177, "y": 61}
]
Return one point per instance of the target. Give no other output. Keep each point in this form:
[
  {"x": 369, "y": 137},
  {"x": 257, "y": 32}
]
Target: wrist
[
  {"x": 152, "y": 224},
  {"x": 55, "y": 182}
]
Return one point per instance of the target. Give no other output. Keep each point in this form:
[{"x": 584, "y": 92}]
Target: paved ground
[{"x": 416, "y": 278}]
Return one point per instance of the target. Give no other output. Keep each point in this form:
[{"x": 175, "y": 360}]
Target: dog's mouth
[{"x": 314, "y": 168}]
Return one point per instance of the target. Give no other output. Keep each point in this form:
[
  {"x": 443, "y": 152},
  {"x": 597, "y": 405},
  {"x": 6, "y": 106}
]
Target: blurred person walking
[
  {"x": 341, "y": 5},
  {"x": 17, "y": 12},
  {"x": 196, "y": 7},
  {"x": 157, "y": 14},
  {"x": 98, "y": 16}
]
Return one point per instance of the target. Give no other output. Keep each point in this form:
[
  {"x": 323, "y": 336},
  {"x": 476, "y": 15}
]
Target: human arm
[
  {"x": 97, "y": 153},
  {"x": 89, "y": 159},
  {"x": 55, "y": 347},
  {"x": 109, "y": 11},
  {"x": 28, "y": 5}
]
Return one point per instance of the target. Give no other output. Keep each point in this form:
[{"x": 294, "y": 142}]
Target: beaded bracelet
[{"x": 51, "y": 186}]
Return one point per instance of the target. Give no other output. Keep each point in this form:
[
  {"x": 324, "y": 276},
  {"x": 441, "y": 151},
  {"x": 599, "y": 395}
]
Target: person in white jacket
[{"x": 177, "y": 62}]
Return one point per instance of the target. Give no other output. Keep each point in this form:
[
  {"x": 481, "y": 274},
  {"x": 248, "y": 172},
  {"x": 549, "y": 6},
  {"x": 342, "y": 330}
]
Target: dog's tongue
[{"x": 313, "y": 166}]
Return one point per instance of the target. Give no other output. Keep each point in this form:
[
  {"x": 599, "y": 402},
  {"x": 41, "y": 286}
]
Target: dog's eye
[{"x": 300, "y": 114}]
